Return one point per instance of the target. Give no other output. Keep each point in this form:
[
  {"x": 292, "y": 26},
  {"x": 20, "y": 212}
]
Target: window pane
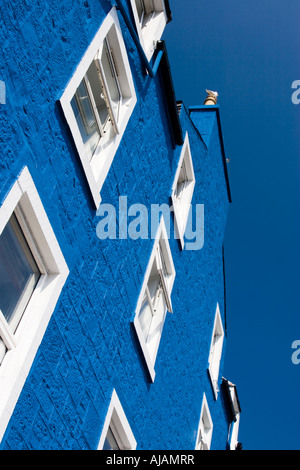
[
  {"x": 157, "y": 317},
  {"x": 86, "y": 121},
  {"x": 19, "y": 273},
  {"x": 140, "y": 9},
  {"x": 163, "y": 262},
  {"x": 111, "y": 77},
  {"x": 145, "y": 317},
  {"x": 110, "y": 442},
  {"x": 159, "y": 304},
  {"x": 155, "y": 290},
  {"x": 98, "y": 95},
  {"x": 181, "y": 182}
]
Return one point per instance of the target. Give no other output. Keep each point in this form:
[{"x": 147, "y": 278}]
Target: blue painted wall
[{"x": 90, "y": 347}]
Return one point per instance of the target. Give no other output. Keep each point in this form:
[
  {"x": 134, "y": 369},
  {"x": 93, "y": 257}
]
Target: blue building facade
[{"x": 113, "y": 309}]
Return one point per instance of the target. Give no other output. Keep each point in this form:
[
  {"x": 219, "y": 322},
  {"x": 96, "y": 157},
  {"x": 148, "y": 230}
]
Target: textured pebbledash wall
[{"x": 90, "y": 347}]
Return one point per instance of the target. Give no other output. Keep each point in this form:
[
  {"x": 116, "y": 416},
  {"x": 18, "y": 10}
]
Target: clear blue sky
[{"x": 249, "y": 52}]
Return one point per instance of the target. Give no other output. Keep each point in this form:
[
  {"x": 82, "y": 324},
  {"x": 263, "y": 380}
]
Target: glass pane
[
  {"x": 159, "y": 304},
  {"x": 156, "y": 293},
  {"x": 181, "y": 182},
  {"x": 19, "y": 273},
  {"x": 97, "y": 91},
  {"x": 140, "y": 9},
  {"x": 85, "y": 117},
  {"x": 145, "y": 317},
  {"x": 110, "y": 442},
  {"x": 154, "y": 284},
  {"x": 111, "y": 78},
  {"x": 163, "y": 263}
]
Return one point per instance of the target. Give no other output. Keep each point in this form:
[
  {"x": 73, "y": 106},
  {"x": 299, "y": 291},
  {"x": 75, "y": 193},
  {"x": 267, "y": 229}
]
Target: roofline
[{"x": 204, "y": 108}]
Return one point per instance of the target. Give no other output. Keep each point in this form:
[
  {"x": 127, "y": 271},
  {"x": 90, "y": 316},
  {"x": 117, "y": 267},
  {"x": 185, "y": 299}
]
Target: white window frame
[
  {"x": 23, "y": 343},
  {"x": 96, "y": 169},
  {"x": 116, "y": 419},
  {"x": 215, "y": 351},
  {"x": 234, "y": 426},
  {"x": 205, "y": 427},
  {"x": 161, "y": 248},
  {"x": 150, "y": 31},
  {"x": 182, "y": 205}
]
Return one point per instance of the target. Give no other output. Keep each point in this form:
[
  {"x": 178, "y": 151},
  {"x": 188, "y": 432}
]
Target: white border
[
  {"x": 97, "y": 170},
  {"x": 144, "y": 35},
  {"x": 161, "y": 234},
  {"x": 28, "y": 336},
  {"x": 185, "y": 153},
  {"x": 124, "y": 428},
  {"x": 205, "y": 407},
  {"x": 234, "y": 426},
  {"x": 219, "y": 356}
]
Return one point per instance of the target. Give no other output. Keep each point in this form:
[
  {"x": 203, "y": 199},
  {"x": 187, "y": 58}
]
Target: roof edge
[{"x": 216, "y": 109}]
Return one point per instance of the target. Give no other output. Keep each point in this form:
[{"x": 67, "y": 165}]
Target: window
[
  {"x": 19, "y": 275},
  {"x": 98, "y": 102},
  {"x": 205, "y": 428},
  {"x": 215, "y": 352},
  {"x": 32, "y": 274},
  {"x": 150, "y": 18},
  {"x": 182, "y": 190},
  {"x": 234, "y": 409},
  {"x": 155, "y": 298},
  {"x": 116, "y": 433}
]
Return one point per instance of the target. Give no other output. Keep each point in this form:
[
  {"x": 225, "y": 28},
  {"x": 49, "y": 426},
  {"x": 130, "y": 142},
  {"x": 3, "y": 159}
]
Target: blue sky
[{"x": 249, "y": 52}]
